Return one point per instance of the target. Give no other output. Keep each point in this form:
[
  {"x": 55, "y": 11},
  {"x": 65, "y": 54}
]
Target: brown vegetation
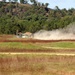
[
  {"x": 38, "y": 50},
  {"x": 37, "y": 65}
]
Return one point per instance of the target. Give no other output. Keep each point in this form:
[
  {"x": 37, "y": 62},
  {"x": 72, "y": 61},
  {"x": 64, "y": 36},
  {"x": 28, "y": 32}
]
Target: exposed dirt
[
  {"x": 38, "y": 50},
  {"x": 36, "y": 65},
  {"x": 8, "y": 38},
  {"x": 33, "y": 40}
]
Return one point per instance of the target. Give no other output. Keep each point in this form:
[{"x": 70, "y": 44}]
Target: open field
[
  {"x": 49, "y": 47},
  {"x": 36, "y": 57},
  {"x": 10, "y": 43},
  {"x": 37, "y": 65},
  {"x": 13, "y": 38}
]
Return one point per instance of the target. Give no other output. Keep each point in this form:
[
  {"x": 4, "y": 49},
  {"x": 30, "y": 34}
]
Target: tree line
[{"x": 32, "y": 17}]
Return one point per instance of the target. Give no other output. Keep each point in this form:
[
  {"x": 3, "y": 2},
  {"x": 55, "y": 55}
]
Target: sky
[{"x": 60, "y": 3}]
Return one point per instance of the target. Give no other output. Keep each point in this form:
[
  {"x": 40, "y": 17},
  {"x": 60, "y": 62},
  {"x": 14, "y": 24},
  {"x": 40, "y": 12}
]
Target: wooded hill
[{"x": 26, "y": 17}]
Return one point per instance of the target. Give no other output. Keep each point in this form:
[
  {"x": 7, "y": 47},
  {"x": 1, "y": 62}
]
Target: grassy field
[
  {"x": 55, "y": 45},
  {"x": 37, "y": 65},
  {"x": 52, "y": 47},
  {"x": 11, "y": 41},
  {"x": 61, "y": 45},
  {"x": 19, "y": 45},
  {"x": 33, "y": 64}
]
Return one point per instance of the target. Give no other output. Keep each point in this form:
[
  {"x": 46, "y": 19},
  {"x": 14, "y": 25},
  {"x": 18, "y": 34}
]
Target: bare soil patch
[
  {"x": 13, "y": 38},
  {"x": 38, "y": 50},
  {"x": 33, "y": 40}
]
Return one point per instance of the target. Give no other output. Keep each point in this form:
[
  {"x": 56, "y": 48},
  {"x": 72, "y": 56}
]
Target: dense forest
[{"x": 32, "y": 17}]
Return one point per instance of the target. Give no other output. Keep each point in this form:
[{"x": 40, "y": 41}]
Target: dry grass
[
  {"x": 37, "y": 65},
  {"x": 33, "y": 64}
]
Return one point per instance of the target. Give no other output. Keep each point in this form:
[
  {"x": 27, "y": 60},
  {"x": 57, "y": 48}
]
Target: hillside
[{"x": 25, "y": 17}]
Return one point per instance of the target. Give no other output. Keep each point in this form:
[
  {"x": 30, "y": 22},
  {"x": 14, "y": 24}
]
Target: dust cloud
[{"x": 58, "y": 34}]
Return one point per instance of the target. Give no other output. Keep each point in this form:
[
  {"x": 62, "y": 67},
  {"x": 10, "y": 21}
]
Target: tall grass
[{"x": 37, "y": 65}]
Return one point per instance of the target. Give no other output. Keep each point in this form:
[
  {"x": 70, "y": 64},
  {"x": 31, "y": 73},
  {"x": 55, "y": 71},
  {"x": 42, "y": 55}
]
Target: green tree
[
  {"x": 57, "y": 8},
  {"x": 34, "y": 2},
  {"x": 24, "y": 1},
  {"x": 46, "y": 4}
]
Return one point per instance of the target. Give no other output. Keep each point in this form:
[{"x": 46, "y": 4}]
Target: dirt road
[{"x": 33, "y": 53}]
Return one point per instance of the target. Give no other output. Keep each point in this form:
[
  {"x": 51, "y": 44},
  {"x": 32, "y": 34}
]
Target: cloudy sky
[{"x": 60, "y": 3}]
